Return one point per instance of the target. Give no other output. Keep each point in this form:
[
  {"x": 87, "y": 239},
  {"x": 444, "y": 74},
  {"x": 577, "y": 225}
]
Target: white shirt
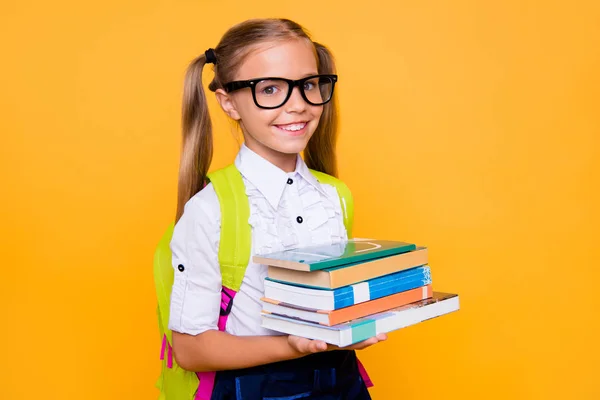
[{"x": 275, "y": 206}]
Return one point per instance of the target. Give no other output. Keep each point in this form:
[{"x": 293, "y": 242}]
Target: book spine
[
  {"x": 377, "y": 268},
  {"x": 379, "y": 305},
  {"x": 371, "y": 290}
]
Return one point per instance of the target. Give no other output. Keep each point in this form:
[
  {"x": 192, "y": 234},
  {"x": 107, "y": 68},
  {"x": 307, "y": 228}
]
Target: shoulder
[
  {"x": 334, "y": 187},
  {"x": 201, "y": 216},
  {"x": 326, "y": 179},
  {"x": 204, "y": 203},
  {"x": 330, "y": 191}
]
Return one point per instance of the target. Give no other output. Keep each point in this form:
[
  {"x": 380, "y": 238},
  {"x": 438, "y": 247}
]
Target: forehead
[{"x": 291, "y": 59}]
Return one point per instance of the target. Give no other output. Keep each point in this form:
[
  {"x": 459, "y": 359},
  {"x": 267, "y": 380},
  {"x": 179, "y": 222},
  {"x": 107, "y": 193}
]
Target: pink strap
[
  {"x": 207, "y": 379},
  {"x": 227, "y": 296},
  {"x": 170, "y": 356},
  {"x": 364, "y": 375},
  {"x": 206, "y": 386},
  {"x": 166, "y": 344},
  {"x": 162, "y": 348}
]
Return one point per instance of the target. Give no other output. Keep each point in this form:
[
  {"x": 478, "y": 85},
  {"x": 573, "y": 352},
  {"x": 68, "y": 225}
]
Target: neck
[{"x": 284, "y": 161}]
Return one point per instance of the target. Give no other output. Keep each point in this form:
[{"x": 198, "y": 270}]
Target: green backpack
[{"x": 174, "y": 382}]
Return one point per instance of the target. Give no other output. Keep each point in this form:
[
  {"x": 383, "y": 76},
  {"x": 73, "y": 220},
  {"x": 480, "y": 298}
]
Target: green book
[{"x": 314, "y": 258}]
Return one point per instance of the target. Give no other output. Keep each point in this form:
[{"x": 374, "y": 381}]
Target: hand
[
  {"x": 365, "y": 343},
  {"x": 307, "y": 346}
]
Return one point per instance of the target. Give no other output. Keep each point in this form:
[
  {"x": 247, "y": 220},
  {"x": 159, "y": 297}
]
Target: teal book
[{"x": 314, "y": 258}]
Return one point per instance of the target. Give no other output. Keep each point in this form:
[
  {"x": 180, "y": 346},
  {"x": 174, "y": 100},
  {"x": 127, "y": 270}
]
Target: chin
[
  {"x": 290, "y": 148},
  {"x": 291, "y": 144}
]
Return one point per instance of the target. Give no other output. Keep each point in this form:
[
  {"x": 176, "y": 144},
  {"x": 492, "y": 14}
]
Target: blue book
[
  {"x": 314, "y": 258},
  {"x": 334, "y": 299}
]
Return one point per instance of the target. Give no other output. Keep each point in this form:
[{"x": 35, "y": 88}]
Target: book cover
[
  {"x": 346, "y": 314},
  {"x": 314, "y": 258},
  {"x": 364, "y": 328},
  {"x": 336, "y": 277},
  {"x": 324, "y": 299}
]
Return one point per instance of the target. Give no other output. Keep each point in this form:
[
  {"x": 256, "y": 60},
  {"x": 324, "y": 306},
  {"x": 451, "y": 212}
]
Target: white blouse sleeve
[{"x": 196, "y": 294}]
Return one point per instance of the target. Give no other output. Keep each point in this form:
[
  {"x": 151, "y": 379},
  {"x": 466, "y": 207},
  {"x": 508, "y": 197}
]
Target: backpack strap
[
  {"x": 234, "y": 247},
  {"x": 234, "y": 251},
  {"x": 234, "y": 255},
  {"x": 236, "y": 234},
  {"x": 163, "y": 280},
  {"x": 346, "y": 199}
]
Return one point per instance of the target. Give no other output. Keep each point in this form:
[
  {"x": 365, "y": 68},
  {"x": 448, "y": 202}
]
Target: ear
[{"x": 227, "y": 104}]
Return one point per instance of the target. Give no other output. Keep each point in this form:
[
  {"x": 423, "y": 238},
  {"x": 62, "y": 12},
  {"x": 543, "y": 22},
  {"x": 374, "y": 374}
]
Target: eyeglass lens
[{"x": 274, "y": 92}]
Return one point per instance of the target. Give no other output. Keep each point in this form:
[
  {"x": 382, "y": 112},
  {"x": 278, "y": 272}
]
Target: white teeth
[{"x": 293, "y": 127}]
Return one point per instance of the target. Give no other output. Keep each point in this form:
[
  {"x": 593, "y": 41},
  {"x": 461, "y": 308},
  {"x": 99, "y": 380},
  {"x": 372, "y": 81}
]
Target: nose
[{"x": 295, "y": 103}]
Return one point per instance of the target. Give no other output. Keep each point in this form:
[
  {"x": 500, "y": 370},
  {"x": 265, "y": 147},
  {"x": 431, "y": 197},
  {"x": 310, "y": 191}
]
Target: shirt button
[
  {"x": 180, "y": 267},
  {"x": 290, "y": 181},
  {"x": 299, "y": 219}
]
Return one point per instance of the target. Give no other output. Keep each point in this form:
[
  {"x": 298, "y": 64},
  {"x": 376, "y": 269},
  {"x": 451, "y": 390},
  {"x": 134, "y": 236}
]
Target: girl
[{"x": 291, "y": 112}]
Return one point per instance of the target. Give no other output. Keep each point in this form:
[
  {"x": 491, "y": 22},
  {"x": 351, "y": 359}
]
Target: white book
[{"x": 364, "y": 328}]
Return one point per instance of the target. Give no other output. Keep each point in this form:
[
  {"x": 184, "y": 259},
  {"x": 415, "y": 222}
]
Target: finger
[
  {"x": 304, "y": 346},
  {"x": 301, "y": 344},
  {"x": 364, "y": 344},
  {"x": 318, "y": 345},
  {"x": 370, "y": 341},
  {"x": 375, "y": 339}
]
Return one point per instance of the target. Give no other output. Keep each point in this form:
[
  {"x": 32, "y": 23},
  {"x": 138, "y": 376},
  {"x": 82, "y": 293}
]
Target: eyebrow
[
  {"x": 301, "y": 76},
  {"x": 310, "y": 74},
  {"x": 276, "y": 76}
]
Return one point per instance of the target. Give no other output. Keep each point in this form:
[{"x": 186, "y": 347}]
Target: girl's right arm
[{"x": 216, "y": 351}]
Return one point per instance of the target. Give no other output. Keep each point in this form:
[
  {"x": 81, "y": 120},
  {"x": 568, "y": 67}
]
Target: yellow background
[{"x": 470, "y": 127}]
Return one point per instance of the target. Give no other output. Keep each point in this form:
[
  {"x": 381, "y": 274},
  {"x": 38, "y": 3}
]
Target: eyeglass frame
[{"x": 251, "y": 83}]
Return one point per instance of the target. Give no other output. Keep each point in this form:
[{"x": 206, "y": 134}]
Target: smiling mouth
[{"x": 293, "y": 127}]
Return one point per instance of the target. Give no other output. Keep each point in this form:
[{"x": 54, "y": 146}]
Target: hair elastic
[{"x": 211, "y": 57}]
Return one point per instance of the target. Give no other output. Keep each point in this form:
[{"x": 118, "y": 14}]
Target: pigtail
[
  {"x": 320, "y": 150},
  {"x": 197, "y": 145}
]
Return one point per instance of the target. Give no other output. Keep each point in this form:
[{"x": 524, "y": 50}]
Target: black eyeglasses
[{"x": 269, "y": 93}]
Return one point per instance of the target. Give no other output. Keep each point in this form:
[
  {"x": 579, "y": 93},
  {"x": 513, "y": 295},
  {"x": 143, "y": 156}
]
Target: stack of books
[{"x": 348, "y": 292}]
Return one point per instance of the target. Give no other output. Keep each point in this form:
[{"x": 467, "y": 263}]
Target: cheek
[
  {"x": 267, "y": 117},
  {"x": 246, "y": 109},
  {"x": 317, "y": 112}
]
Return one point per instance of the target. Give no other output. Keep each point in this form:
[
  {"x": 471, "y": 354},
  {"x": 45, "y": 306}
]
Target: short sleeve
[{"x": 196, "y": 293}]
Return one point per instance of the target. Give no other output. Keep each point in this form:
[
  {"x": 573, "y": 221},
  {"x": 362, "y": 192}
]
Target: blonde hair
[{"x": 235, "y": 45}]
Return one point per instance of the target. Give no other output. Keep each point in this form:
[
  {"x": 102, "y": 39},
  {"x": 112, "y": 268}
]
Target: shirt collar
[
  {"x": 269, "y": 179},
  {"x": 304, "y": 172}
]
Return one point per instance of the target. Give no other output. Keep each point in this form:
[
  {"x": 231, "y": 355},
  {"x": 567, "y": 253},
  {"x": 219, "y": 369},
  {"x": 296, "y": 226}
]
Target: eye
[
  {"x": 310, "y": 85},
  {"x": 269, "y": 87},
  {"x": 269, "y": 90}
]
